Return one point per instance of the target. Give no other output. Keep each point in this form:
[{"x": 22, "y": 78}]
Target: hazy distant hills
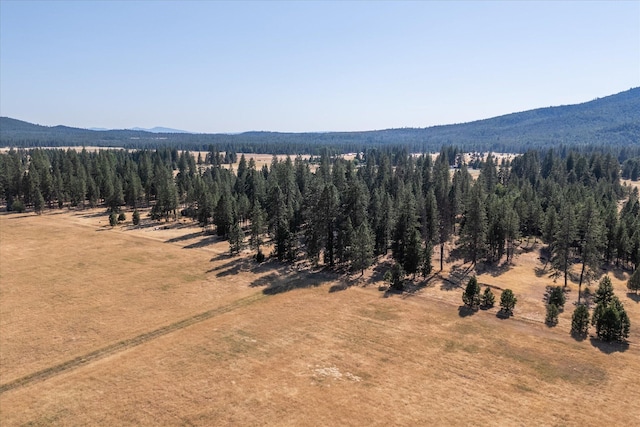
[
  {"x": 159, "y": 129},
  {"x": 612, "y": 120}
]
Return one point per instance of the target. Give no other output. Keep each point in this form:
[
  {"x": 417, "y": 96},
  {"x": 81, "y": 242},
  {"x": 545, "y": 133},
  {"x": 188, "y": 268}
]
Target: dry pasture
[{"x": 158, "y": 326}]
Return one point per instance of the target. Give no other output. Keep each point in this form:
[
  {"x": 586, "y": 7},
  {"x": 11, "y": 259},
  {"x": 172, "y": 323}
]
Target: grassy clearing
[{"x": 291, "y": 350}]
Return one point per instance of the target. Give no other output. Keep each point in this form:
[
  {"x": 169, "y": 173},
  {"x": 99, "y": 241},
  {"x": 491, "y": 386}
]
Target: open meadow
[{"x": 158, "y": 325}]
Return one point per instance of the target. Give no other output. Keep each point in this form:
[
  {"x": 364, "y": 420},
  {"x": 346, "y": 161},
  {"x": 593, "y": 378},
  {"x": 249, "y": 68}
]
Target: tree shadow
[
  {"x": 379, "y": 271},
  {"x": 464, "y": 311},
  {"x": 633, "y": 296},
  {"x": 619, "y": 273},
  {"x": 495, "y": 270},
  {"x": 285, "y": 280},
  {"x": 412, "y": 286},
  {"x": 609, "y": 347},
  {"x": 541, "y": 271},
  {"x": 503, "y": 314},
  {"x": 185, "y": 237},
  {"x": 391, "y": 291},
  {"x": 578, "y": 337},
  {"x": 342, "y": 286},
  {"x": 456, "y": 277},
  {"x": 104, "y": 213},
  {"x": 202, "y": 243}
]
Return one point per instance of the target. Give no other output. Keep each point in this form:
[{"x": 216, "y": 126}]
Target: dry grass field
[{"x": 158, "y": 326}]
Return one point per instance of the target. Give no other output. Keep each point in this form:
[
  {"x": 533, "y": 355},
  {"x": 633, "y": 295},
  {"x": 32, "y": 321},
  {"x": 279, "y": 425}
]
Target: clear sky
[{"x": 307, "y": 66}]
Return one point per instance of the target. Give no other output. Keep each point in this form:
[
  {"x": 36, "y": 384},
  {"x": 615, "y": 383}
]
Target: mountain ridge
[{"x": 614, "y": 119}]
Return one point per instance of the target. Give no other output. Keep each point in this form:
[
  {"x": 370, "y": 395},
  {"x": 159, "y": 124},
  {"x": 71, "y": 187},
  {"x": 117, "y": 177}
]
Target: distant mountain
[
  {"x": 158, "y": 129},
  {"x": 613, "y": 120}
]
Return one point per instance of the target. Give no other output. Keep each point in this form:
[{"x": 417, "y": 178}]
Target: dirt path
[{"x": 126, "y": 344}]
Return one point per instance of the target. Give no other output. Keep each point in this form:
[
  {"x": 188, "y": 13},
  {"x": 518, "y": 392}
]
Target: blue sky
[{"x": 308, "y": 66}]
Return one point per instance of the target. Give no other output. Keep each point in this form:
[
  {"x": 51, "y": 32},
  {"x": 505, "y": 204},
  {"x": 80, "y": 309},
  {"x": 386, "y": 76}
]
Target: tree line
[{"x": 345, "y": 213}]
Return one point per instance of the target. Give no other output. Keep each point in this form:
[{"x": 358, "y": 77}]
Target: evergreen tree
[
  {"x": 257, "y": 225},
  {"x": 604, "y": 293},
  {"x": 488, "y": 299},
  {"x": 633, "y": 284},
  {"x": 236, "y": 238},
  {"x": 474, "y": 230},
  {"x": 362, "y": 256},
  {"x": 38, "y": 202},
  {"x": 441, "y": 189},
  {"x": 551, "y": 318},
  {"x": 224, "y": 214},
  {"x": 611, "y": 320},
  {"x": 136, "y": 217},
  {"x": 471, "y": 295},
  {"x": 508, "y": 301},
  {"x": 590, "y": 239},
  {"x": 556, "y": 297},
  {"x": 563, "y": 238},
  {"x": 427, "y": 255},
  {"x": 580, "y": 321}
]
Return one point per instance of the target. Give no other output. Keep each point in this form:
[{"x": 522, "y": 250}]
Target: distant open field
[{"x": 159, "y": 326}]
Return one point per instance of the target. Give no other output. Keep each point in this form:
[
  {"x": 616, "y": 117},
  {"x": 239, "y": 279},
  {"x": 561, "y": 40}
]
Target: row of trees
[{"x": 346, "y": 213}]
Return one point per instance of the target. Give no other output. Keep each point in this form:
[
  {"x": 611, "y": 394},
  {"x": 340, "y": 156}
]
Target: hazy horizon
[{"x": 221, "y": 67}]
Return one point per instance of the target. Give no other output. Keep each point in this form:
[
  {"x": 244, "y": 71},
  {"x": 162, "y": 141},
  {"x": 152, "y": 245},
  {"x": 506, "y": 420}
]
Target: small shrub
[
  {"x": 122, "y": 217},
  {"x": 18, "y": 206},
  {"x": 259, "y": 257},
  {"x": 395, "y": 277},
  {"x": 552, "y": 315},
  {"x": 113, "y": 219},
  {"x": 136, "y": 217}
]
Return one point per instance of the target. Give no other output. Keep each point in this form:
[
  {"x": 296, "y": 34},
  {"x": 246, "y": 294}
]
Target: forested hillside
[
  {"x": 346, "y": 213},
  {"x": 613, "y": 121}
]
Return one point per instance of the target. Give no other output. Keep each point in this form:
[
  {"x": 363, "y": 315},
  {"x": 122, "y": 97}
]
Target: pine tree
[
  {"x": 633, "y": 284},
  {"x": 257, "y": 225},
  {"x": 611, "y": 320},
  {"x": 580, "y": 321},
  {"x": 427, "y": 254},
  {"x": 563, "y": 238},
  {"x": 488, "y": 299},
  {"x": 604, "y": 294},
  {"x": 508, "y": 301},
  {"x": 471, "y": 295},
  {"x": 441, "y": 189},
  {"x": 552, "y": 315},
  {"x": 474, "y": 231},
  {"x": 362, "y": 256},
  {"x": 236, "y": 238},
  {"x": 590, "y": 238},
  {"x": 38, "y": 202},
  {"x": 556, "y": 297}
]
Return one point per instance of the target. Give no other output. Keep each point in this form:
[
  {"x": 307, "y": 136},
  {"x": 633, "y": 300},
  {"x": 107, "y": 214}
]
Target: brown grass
[{"x": 234, "y": 350}]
